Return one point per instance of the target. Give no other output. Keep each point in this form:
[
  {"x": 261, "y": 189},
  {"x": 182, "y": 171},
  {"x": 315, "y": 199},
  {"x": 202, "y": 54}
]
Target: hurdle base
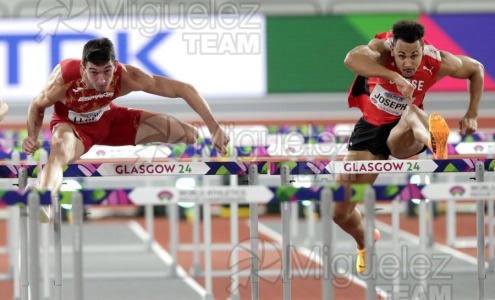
[
  {"x": 491, "y": 267},
  {"x": 195, "y": 270},
  {"x": 172, "y": 272},
  {"x": 207, "y": 297},
  {"x": 469, "y": 242}
]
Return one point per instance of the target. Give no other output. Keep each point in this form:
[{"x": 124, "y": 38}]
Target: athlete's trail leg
[{"x": 163, "y": 128}]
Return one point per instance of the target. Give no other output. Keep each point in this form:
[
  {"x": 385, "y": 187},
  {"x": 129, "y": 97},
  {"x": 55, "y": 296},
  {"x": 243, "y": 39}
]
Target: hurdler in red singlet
[
  {"x": 81, "y": 92},
  {"x": 393, "y": 73},
  {"x": 92, "y": 115},
  {"x": 380, "y": 101}
]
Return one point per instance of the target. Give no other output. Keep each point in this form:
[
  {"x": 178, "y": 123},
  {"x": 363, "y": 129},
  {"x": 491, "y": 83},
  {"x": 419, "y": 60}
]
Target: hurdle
[
  {"x": 16, "y": 223},
  {"x": 126, "y": 154},
  {"x": 141, "y": 196},
  {"x": 486, "y": 148},
  {"x": 275, "y": 169},
  {"x": 419, "y": 166},
  {"x": 106, "y": 169}
]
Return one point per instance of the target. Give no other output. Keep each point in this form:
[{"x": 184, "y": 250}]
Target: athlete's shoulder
[
  {"x": 127, "y": 68},
  {"x": 71, "y": 69},
  {"x": 384, "y": 35},
  {"x": 118, "y": 67},
  {"x": 131, "y": 73},
  {"x": 385, "y": 39},
  {"x": 432, "y": 54},
  {"x": 70, "y": 64}
]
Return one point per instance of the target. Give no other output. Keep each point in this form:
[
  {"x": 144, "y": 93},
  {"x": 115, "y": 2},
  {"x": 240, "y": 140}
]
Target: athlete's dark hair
[
  {"x": 98, "y": 51},
  {"x": 408, "y": 31}
]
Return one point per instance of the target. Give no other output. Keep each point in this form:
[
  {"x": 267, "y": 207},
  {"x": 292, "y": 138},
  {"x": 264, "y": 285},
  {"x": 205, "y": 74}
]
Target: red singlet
[
  {"x": 379, "y": 99},
  {"x": 92, "y": 115}
]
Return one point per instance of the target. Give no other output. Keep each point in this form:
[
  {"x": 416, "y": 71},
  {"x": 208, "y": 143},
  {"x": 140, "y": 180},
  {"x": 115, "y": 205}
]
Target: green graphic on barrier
[
  {"x": 357, "y": 192},
  {"x": 286, "y": 193}
]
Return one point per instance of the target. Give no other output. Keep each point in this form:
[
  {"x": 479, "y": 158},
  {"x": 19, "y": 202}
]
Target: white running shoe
[{"x": 44, "y": 209}]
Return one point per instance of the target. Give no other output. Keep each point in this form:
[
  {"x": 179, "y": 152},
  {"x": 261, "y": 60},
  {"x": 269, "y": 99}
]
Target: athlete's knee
[
  {"x": 412, "y": 108},
  {"x": 413, "y": 111},
  {"x": 59, "y": 149},
  {"x": 408, "y": 112}
]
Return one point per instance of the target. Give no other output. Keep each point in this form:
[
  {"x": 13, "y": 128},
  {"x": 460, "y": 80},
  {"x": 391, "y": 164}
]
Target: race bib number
[
  {"x": 389, "y": 102},
  {"x": 87, "y": 117}
]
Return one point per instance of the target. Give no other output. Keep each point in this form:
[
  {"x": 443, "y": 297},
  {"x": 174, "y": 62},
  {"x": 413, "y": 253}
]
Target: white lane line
[
  {"x": 167, "y": 259},
  {"x": 277, "y": 237}
]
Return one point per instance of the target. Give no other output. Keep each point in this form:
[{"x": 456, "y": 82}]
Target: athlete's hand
[
  {"x": 220, "y": 141},
  {"x": 404, "y": 86},
  {"x": 468, "y": 125},
  {"x": 4, "y": 108},
  {"x": 30, "y": 145}
]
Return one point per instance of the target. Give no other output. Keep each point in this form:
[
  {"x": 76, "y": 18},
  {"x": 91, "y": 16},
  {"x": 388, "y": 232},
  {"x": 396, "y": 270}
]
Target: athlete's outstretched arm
[
  {"x": 135, "y": 79},
  {"x": 52, "y": 92},
  {"x": 463, "y": 67},
  {"x": 4, "y": 108},
  {"x": 369, "y": 61}
]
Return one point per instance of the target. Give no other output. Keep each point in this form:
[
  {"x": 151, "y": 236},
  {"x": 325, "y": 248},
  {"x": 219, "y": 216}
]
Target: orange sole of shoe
[{"x": 439, "y": 131}]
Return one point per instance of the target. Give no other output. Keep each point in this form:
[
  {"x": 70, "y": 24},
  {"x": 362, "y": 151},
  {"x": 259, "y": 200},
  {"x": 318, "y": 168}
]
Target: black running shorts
[{"x": 366, "y": 136}]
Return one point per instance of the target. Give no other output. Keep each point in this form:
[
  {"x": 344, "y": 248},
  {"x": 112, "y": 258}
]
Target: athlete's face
[
  {"x": 407, "y": 56},
  {"x": 99, "y": 77}
]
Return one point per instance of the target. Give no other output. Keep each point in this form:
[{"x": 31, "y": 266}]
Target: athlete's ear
[{"x": 115, "y": 62}]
